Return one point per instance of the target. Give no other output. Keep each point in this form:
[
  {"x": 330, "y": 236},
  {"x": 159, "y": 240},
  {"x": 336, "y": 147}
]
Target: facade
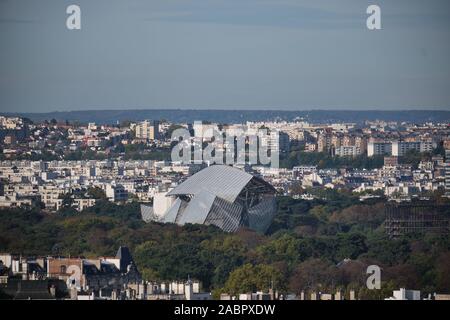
[
  {"x": 94, "y": 275},
  {"x": 248, "y": 296},
  {"x": 377, "y": 147},
  {"x": 51, "y": 197},
  {"x": 324, "y": 142},
  {"x": 283, "y": 142},
  {"x": 223, "y": 196},
  {"x": 347, "y": 151},
  {"x": 75, "y": 278},
  {"x": 116, "y": 193},
  {"x": 176, "y": 290},
  {"x": 400, "y": 148},
  {"x": 81, "y": 204},
  {"x": 16, "y": 200},
  {"x": 148, "y": 130},
  {"x": 404, "y": 294},
  {"x": 423, "y": 217}
]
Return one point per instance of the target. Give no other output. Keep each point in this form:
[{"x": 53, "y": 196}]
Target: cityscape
[
  {"x": 213, "y": 159},
  {"x": 345, "y": 196}
]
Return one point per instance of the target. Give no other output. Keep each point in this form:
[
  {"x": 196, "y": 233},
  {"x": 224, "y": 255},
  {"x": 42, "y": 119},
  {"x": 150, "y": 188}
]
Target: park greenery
[
  {"x": 324, "y": 160},
  {"x": 324, "y": 244}
]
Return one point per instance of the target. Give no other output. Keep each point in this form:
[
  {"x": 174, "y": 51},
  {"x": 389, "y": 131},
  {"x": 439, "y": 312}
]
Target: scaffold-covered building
[
  {"x": 417, "y": 217},
  {"x": 218, "y": 195}
]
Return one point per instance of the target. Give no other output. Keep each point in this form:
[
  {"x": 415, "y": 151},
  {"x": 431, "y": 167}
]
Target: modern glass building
[{"x": 223, "y": 196}]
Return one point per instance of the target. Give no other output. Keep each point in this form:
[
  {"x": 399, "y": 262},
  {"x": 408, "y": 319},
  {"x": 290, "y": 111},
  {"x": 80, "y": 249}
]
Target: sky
[{"x": 224, "y": 54}]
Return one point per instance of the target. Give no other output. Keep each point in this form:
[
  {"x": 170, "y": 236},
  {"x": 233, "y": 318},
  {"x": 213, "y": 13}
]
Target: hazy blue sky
[{"x": 277, "y": 54}]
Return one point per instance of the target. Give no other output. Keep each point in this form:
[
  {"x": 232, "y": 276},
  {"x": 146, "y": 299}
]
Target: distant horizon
[
  {"x": 230, "y": 109},
  {"x": 224, "y": 116}
]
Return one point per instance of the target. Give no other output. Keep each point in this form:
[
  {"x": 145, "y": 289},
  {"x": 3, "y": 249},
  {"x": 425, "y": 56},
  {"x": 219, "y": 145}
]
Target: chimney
[
  {"x": 73, "y": 294},
  {"x": 188, "y": 290},
  {"x": 315, "y": 296},
  {"x": 302, "y": 295},
  {"x": 53, "y": 291}
]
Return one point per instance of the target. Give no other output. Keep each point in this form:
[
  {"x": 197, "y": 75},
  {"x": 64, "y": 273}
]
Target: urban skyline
[
  {"x": 346, "y": 198},
  {"x": 224, "y": 150}
]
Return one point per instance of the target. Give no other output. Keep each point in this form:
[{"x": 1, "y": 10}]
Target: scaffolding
[{"x": 423, "y": 217}]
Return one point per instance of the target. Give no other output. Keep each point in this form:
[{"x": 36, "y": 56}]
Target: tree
[
  {"x": 350, "y": 245},
  {"x": 352, "y": 274},
  {"x": 96, "y": 193},
  {"x": 387, "y": 287},
  {"x": 67, "y": 200},
  {"x": 403, "y": 275},
  {"x": 223, "y": 255},
  {"x": 320, "y": 212},
  {"x": 443, "y": 272},
  {"x": 313, "y": 274},
  {"x": 388, "y": 251},
  {"x": 363, "y": 215},
  {"x": 249, "y": 278},
  {"x": 286, "y": 248},
  {"x": 149, "y": 274}
]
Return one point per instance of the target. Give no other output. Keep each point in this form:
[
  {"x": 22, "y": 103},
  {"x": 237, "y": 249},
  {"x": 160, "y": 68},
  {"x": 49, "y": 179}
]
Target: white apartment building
[
  {"x": 404, "y": 294},
  {"x": 116, "y": 193},
  {"x": 14, "y": 201},
  {"x": 404, "y": 189},
  {"x": 347, "y": 151},
  {"x": 375, "y": 148},
  {"x": 400, "y": 148},
  {"x": 50, "y": 196}
]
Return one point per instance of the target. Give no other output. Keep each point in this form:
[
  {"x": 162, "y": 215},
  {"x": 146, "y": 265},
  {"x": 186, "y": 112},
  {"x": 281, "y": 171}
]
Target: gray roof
[
  {"x": 147, "y": 213},
  {"x": 172, "y": 213},
  {"x": 222, "y": 181},
  {"x": 198, "y": 208}
]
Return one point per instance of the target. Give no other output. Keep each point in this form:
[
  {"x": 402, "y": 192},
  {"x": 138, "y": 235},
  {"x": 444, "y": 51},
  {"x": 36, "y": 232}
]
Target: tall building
[
  {"x": 361, "y": 144},
  {"x": 400, "y": 147},
  {"x": 379, "y": 147},
  {"x": 116, "y": 193},
  {"x": 148, "y": 130},
  {"x": 337, "y": 141},
  {"x": 283, "y": 142},
  {"x": 427, "y": 145},
  {"x": 277, "y": 143},
  {"x": 324, "y": 142}
]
